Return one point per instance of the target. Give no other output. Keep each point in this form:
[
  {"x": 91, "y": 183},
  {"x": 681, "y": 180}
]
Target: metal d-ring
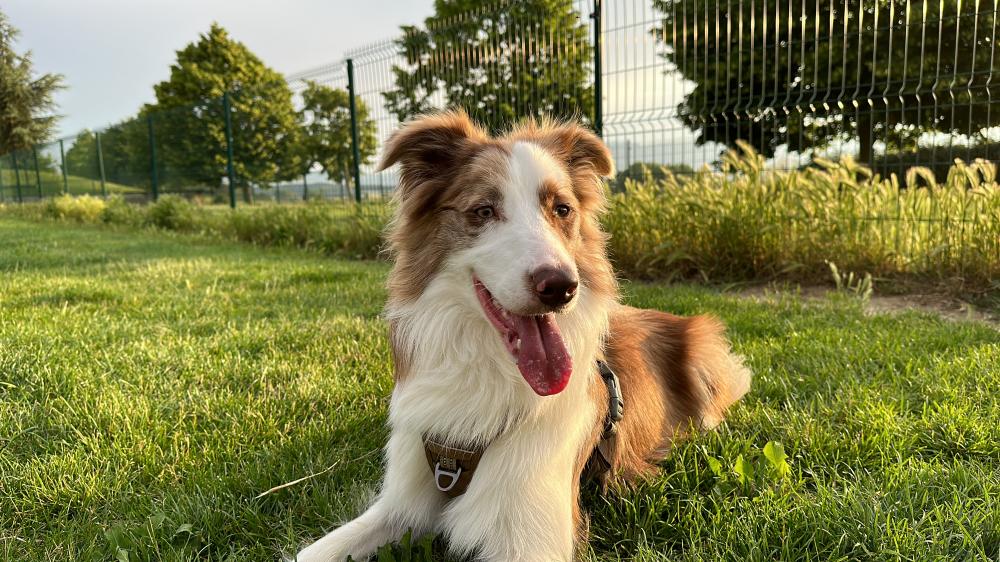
[{"x": 439, "y": 472}]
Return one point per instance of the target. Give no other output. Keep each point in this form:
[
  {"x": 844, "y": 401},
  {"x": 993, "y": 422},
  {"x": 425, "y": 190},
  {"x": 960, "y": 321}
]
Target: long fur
[{"x": 456, "y": 380}]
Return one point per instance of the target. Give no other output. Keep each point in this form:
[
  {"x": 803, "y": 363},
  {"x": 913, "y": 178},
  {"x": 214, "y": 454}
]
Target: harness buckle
[{"x": 453, "y": 474}]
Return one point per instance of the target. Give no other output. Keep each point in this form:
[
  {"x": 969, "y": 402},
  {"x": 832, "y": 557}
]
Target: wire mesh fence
[{"x": 670, "y": 83}]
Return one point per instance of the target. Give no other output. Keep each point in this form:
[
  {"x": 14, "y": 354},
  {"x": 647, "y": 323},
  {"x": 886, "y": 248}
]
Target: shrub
[
  {"x": 118, "y": 211},
  {"x": 334, "y": 228},
  {"x": 85, "y": 209},
  {"x": 171, "y": 212}
]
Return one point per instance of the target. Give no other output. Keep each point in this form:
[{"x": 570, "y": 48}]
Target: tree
[
  {"x": 81, "y": 157},
  {"x": 26, "y": 100},
  {"x": 326, "y": 132},
  {"x": 189, "y": 117},
  {"x": 810, "y": 72},
  {"x": 124, "y": 151},
  {"x": 526, "y": 58}
]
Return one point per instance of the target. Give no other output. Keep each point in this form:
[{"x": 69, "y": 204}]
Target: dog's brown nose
[{"x": 554, "y": 287}]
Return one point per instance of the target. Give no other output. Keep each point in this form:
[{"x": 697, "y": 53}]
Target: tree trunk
[{"x": 247, "y": 194}]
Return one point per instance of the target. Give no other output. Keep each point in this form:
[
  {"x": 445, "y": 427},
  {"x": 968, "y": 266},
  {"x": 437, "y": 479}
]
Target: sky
[{"x": 111, "y": 52}]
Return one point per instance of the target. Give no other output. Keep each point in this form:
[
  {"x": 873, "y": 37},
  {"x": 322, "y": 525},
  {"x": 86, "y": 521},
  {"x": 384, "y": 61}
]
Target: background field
[
  {"x": 152, "y": 385},
  {"x": 52, "y": 185}
]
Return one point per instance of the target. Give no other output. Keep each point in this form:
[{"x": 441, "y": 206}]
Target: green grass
[
  {"x": 52, "y": 185},
  {"x": 152, "y": 385}
]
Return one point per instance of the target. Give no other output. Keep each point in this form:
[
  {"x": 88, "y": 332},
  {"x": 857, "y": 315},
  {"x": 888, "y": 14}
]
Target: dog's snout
[{"x": 553, "y": 286}]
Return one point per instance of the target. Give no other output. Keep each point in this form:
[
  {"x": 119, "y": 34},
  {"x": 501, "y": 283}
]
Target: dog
[{"x": 504, "y": 319}]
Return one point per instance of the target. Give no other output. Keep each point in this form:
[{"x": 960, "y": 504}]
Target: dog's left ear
[{"x": 579, "y": 148}]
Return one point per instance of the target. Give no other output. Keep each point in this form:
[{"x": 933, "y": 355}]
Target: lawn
[{"x": 153, "y": 385}]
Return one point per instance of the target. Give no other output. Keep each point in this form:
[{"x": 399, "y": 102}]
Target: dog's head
[{"x": 514, "y": 219}]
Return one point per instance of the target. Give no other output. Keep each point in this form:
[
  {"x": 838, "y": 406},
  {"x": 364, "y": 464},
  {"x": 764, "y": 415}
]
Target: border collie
[{"x": 504, "y": 317}]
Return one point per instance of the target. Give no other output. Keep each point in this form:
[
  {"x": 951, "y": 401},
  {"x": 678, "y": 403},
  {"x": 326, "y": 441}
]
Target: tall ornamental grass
[{"x": 748, "y": 222}]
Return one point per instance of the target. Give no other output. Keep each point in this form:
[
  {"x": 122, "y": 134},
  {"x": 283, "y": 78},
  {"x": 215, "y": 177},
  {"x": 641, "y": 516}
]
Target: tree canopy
[
  {"x": 806, "y": 73},
  {"x": 499, "y": 62},
  {"x": 189, "y": 119},
  {"x": 326, "y": 131},
  {"x": 26, "y": 99}
]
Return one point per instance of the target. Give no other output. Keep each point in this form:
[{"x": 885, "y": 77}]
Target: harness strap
[{"x": 599, "y": 465}]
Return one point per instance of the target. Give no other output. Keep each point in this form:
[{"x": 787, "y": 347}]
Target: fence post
[
  {"x": 152, "y": 158},
  {"x": 227, "y": 108},
  {"x": 100, "y": 165},
  {"x": 3, "y": 196},
  {"x": 17, "y": 177},
  {"x": 62, "y": 158},
  {"x": 598, "y": 93},
  {"x": 38, "y": 174},
  {"x": 354, "y": 131}
]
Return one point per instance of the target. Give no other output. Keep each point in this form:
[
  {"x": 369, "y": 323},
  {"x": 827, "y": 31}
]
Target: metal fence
[{"x": 665, "y": 82}]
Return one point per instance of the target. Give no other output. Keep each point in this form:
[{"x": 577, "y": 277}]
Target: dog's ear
[
  {"x": 579, "y": 148},
  {"x": 428, "y": 149}
]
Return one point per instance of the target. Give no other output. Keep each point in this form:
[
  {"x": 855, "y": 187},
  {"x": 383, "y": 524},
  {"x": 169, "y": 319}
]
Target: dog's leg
[
  {"x": 408, "y": 500},
  {"x": 519, "y": 506}
]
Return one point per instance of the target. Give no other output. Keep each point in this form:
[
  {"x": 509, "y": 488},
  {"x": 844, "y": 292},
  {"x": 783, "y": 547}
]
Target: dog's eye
[
  {"x": 563, "y": 210},
  {"x": 485, "y": 212}
]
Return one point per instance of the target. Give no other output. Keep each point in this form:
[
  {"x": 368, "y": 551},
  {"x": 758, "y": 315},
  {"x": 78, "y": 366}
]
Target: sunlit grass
[{"x": 152, "y": 385}]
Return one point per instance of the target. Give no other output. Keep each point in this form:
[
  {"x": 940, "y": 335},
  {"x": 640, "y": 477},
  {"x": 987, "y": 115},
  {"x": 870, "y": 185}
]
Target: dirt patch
[{"x": 947, "y": 307}]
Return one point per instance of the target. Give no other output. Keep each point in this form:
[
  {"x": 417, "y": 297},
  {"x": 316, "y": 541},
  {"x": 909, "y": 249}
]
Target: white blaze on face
[{"x": 524, "y": 240}]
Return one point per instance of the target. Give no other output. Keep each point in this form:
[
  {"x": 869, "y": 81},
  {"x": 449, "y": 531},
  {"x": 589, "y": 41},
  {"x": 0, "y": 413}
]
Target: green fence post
[
  {"x": 598, "y": 94},
  {"x": 305, "y": 186},
  {"x": 100, "y": 165},
  {"x": 152, "y": 158},
  {"x": 17, "y": 177},
  {"x": 62, "y": 159},
  {"x": 38, "y": 173},
  {"x": 227, "y": 108},
  {"x": 354, "y": 131},
  {"x": 3, "y": 196}
]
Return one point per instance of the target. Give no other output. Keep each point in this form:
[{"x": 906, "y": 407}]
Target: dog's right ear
[{"x": 428, "y": 150}]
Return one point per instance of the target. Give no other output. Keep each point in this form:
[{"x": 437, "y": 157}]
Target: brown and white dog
[{"x": 501, "y": 300}]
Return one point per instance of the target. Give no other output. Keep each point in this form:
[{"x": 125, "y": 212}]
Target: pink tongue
[{"x": 543, "y": 360}]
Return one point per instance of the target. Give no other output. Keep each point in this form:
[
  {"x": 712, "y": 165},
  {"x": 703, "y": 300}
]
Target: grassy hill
[{"x": 52, "y": 184}]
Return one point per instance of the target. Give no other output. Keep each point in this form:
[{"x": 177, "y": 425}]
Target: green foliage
[
  {"x": 496, "y": 79},
  {"x": 326, "y": 132},
  {"x": 748, "y": 222},
  {"x": 171, "y": 212},
  {"x": 118, "y": 212},
  {"x": 79, "y": 209},
  {"x": 189, "y": 119},
  {"x": 153, "y": 386},
  {"x": 809, "y": 93},
  {"x": 26, "y": 100},
  {"x": 125, "y": 153},
  {"x": 339, "y": 229},
  {"x": 645, "y": 172}
]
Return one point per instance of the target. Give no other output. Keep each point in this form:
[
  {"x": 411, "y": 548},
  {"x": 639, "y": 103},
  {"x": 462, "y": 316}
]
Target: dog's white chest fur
[{"x": 463, "y": 387}]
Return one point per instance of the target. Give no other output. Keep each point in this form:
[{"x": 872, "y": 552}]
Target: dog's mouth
[{"x": 534, "y": 341}]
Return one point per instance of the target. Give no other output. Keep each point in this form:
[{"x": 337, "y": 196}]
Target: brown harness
[{"x": 454, "y": 467}]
